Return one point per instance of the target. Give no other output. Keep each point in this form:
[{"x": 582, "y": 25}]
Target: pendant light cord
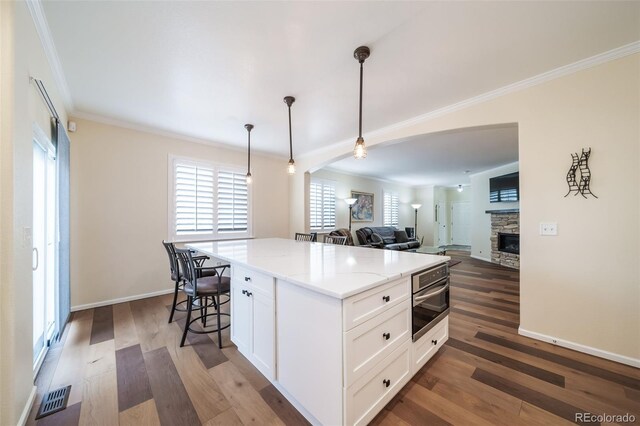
[
  {"x": 290, "y": 137},
  {"x": 249, "y": 151},
  {"x": 360, "y": 120}
]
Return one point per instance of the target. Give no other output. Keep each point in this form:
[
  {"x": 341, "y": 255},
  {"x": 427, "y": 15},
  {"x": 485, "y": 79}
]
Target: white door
[
  {"x": 461, "y": 224},
  {"x": 44, "y": 238},
  {"x": 443, "y": 219}
]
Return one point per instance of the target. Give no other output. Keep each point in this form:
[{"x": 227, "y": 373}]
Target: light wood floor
[{"x": 126, "y": 368}]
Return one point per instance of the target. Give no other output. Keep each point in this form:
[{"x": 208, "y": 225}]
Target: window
[
  {"x": 232, "y": 202},
  {"x": 322, "y": 205},
  {"x": 207, "y": 201},
  {"x": 391, "y": 206}
]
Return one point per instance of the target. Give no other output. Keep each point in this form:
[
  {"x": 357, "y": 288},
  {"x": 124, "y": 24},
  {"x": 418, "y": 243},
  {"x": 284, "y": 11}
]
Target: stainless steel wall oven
[{"x": 430, "y": 298}]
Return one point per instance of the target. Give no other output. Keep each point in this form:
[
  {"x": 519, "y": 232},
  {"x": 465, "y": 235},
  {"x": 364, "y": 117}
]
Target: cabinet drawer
[
  {"x": 368, "y": 343},
  {"x": 361, "y": 307},
  {"x": 260, "y": 282},
  {"x": 429, "y": 344},
  {"x": 367, "y": 396}
]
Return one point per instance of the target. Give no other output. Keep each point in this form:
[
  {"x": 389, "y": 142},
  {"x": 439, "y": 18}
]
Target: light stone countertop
[{"x": 333, "y": 270}]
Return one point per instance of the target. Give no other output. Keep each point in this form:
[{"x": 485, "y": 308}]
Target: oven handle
[{"x": 428, "y": 295}]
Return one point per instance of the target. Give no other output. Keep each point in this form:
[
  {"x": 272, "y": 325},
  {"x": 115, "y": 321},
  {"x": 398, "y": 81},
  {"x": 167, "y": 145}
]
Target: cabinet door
[
  {"x": 241, "y": 321},
  {"x": 263, "y": 348}
]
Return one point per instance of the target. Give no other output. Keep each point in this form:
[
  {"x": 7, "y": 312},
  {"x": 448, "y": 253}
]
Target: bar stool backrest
[
  {"x": 330, "y": 239},
  {"x": 188, "y": 267},
  {"x": 173, "y": 260},
  {"x": 304, "y": 237}
]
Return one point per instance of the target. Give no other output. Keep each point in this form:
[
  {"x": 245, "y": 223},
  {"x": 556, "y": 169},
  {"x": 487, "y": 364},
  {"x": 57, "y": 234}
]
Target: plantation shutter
[
  {"x": 315, "y": 205},
  {"x": 232, "y": 202},
  {"x": 194, "y": 196},
  {"x": 328, "y": 206},
  {"x": 322, "y": 205},
  {"x": 390, "y": 209}
]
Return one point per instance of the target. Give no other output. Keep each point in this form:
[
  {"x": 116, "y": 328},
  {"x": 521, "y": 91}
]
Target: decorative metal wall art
[{"x": 580, "y": 163}]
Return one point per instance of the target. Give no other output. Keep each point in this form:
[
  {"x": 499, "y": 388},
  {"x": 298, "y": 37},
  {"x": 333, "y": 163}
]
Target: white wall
[
  {"x": 119, "y": 207},
  {"x": 426, "y": 214},
  {"x": 347, "y": 182},
  {"x": 21, "y": 56},
  {"x": 567, "y": 290},
  {"x": 481, "y": 221}
]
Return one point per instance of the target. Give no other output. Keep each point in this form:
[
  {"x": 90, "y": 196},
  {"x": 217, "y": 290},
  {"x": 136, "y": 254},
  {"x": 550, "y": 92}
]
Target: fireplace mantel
[{"x": 507, "y": 211}]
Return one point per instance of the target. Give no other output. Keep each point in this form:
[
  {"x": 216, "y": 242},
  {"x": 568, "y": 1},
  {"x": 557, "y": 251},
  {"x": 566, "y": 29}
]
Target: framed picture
[{"x": 363, "y": 207}]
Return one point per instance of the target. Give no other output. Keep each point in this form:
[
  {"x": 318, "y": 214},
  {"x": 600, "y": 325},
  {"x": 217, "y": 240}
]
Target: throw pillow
[{"x": 401, "y": 236}]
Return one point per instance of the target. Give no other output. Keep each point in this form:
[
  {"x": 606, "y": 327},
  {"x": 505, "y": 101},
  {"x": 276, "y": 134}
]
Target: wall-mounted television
[{"x": 505, "y": 188}]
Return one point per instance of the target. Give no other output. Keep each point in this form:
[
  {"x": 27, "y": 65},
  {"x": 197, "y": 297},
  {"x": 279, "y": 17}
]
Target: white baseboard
[
  {"x": 581, "y": 348},
  {"x": 120, "y": 300},
  {"x": 481, "y": 258},
  {"x": 27, "y": 408}
]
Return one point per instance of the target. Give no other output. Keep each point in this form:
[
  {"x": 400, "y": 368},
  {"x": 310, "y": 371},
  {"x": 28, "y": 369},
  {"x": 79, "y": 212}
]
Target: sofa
[{"x": 385, "y": 237}]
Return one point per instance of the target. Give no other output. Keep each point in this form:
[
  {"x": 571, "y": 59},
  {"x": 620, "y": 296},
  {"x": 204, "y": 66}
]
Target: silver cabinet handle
[
  {"x": 35, "y": 249},
  {"x": 428, "y": 295}
]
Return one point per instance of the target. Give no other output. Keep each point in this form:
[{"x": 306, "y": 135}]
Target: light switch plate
[{"x": 548, "y": 228}]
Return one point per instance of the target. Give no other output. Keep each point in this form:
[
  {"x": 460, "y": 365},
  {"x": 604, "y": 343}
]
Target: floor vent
[{"x": 54, "y": 401}]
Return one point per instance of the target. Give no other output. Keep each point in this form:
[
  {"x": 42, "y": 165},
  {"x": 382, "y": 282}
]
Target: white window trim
[
  {"x": 215, "y": 235},
  {"x": 320, "y": 231}
]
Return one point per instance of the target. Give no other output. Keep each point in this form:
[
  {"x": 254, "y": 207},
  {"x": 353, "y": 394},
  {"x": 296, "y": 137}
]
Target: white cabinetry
[
  {"x": 368, "y": 343},
  {"x": 428, "y": 345},
  {"x": 365, "y": 398},
  {"x": 377, "y": 349},
  {"x": 253, "y": 318},
  {"x": 339, "y": 361},
  {"x": 241, "y": 311}
]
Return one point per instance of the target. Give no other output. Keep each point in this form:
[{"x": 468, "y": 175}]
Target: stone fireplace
[{"x": 505, "y": 237}]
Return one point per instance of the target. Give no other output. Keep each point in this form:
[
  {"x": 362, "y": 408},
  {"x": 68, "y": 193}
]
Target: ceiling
[
  {"x": 443, "y": 159},
  {"x": 204, "y": 69}
]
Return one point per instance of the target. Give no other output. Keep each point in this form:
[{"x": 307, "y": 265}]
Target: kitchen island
[{"x": 330, "y": 326}]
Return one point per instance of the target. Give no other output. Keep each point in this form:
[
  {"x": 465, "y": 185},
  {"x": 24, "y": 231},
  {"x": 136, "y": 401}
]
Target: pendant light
[
  {"x": 360, "y": 150},
  {"x": 291, "y": 168},
  {"x": 249, "y": 127}
]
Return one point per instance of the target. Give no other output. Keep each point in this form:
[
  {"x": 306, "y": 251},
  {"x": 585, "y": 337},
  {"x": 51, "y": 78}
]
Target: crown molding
[
  {"x": 362, "y": 176},
  {"x": 168, "y": 134},
  {"x": 583, "y": 64},
  {"x": 44, "y": 33},
  {"x": 513, "y": 163}
]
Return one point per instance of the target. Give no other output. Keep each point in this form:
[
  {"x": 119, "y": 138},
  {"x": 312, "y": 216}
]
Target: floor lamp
[
  {"x": 350, "y": 202},
  {"x": 415, "y": 224}
]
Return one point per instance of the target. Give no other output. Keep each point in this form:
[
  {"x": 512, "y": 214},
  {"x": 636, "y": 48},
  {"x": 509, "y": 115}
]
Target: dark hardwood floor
[{"x": 126, "y": 368}]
